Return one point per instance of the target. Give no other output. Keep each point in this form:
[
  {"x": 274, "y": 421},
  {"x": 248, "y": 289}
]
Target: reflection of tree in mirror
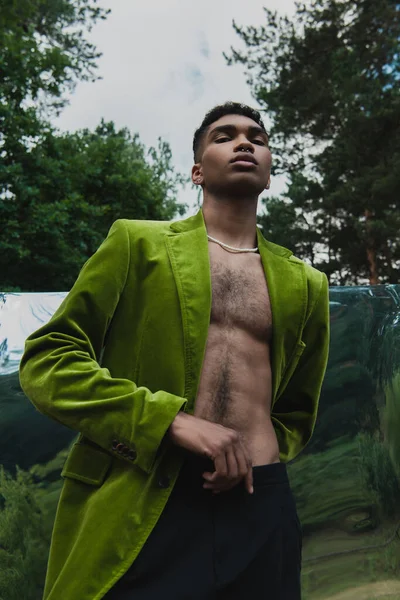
[
  {"x": 3, "y": 352},
  {"x": 24, "y": 538},
  {"x": 347, "y": 402},
  {"x": 378, "y": 474},
  {"x": 26, "y": 436},
  {"x": 392, "y": 420}
]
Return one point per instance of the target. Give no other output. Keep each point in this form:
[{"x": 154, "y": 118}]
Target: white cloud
[{"x": 162, "y": 69}]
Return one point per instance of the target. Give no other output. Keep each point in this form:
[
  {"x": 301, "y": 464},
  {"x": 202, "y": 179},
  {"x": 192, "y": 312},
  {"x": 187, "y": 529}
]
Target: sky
[{"x": 162, "y": 69}]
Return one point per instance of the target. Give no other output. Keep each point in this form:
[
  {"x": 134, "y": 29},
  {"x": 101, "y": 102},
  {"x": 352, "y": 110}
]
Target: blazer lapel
[
  {"x": 187, "y": 247},
  {"x": 287, "y": 286}
]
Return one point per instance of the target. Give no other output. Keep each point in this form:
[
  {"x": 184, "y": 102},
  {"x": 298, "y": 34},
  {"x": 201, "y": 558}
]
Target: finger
[
  {"x": 218, "y": 486},
  {"x": 213, "y": 487},
  {"x": 246, "y": 467},
  {"x": 223, "y": 486},
  {"x": 221, "y": 467},
  {"x": 244, "y": 464},
  {"x": 249, "y": 480},
  {"x": 231, "y": 461},
  {"x": 213, "y": 477}
]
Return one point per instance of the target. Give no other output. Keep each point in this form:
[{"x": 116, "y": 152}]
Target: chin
[
  {"x": 245, "y": 186},
  {"x": 241, "y": 184}
]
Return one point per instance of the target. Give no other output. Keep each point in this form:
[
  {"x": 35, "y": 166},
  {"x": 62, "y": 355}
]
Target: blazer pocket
[{"x": 87, "y": 464}]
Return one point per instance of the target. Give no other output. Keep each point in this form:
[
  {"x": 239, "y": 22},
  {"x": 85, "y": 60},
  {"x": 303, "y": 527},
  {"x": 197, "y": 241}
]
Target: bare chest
[{"x": 240, "y": 298}]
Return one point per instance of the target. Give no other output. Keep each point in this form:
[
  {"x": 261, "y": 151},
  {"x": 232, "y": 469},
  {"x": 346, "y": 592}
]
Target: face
[{"x": 230, "y": 138}]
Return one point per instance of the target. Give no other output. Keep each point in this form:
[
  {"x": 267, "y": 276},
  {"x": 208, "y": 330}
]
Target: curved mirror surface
[{"x": 346, "y": 482}]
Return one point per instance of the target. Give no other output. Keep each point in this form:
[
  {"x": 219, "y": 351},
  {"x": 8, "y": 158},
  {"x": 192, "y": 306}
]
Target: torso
[{"x": 235, "y": 383}]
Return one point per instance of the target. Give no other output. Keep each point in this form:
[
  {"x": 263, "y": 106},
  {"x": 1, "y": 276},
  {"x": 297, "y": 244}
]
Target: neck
[{"x": 233, "y": 222}]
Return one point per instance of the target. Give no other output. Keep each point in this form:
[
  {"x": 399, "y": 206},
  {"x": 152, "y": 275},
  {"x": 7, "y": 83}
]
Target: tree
[
  {"x": 59, "y": 194},
  {"x": 43, "y": 53},
  {"x": 329, "y": 82},
  {"x": 70, "y": 190}
]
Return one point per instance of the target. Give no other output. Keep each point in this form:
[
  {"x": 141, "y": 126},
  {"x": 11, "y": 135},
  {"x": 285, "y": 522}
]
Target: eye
[
  {"x": 261, "y": 142},
  {"x": 222, "y": 139}
]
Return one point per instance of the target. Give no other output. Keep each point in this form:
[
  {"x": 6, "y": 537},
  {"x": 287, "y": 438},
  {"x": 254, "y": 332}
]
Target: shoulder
[
  {"x": 316, "y": 280},
  {"x": 315, "y": 277},
  {"x": 317, "y": 286},
  {"x": 138, "y": 228}
]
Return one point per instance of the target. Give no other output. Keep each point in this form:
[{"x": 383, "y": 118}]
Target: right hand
[{"x": 222, "y": 445}]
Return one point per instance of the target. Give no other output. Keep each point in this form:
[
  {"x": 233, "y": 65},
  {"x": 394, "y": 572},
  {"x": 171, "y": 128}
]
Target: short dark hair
[{"x": 229, "y": 108}]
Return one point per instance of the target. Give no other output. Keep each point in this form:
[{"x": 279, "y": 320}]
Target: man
[{"x": 190, "y": 357}]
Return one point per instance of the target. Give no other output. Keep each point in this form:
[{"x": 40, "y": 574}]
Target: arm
[
  {"x": 295, "y": 411},
  {"x": 60, "y": 373}
]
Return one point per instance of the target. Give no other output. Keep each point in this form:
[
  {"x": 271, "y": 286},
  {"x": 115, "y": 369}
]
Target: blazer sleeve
[
  {"x": 60, "y": 371},
  {"x": 294, "y": 413}
]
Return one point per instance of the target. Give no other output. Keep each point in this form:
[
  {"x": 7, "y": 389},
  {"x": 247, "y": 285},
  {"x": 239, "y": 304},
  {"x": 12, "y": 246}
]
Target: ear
[
  {"x": 268, "y": 183},
  {"x": 197, "y": 174}
]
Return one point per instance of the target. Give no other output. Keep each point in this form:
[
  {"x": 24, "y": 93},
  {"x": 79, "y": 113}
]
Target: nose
[{"x": 244, "y": 144}]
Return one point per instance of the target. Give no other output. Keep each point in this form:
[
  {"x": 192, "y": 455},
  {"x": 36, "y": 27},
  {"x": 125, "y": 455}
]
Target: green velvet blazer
[{"x": 118, "y": 360}]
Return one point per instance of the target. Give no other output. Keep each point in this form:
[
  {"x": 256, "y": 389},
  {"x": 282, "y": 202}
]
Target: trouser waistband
[{"x": 270, "y": 474}]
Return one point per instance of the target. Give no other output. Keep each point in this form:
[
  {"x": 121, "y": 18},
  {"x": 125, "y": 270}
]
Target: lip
[{"x": 247, "y": 158}]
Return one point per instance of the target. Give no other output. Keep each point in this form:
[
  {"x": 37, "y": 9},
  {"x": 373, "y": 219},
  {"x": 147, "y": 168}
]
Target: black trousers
[{"x": 229, "y": 546}]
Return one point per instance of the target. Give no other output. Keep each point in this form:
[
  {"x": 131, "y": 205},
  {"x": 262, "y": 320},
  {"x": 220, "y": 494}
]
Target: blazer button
[
  {"x": 132, "y": 454},
  {"x": 164, "y": 481}
]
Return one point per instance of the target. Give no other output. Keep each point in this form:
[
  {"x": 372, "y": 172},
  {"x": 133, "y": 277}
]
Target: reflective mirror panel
[{"x": 346, "y": 482}]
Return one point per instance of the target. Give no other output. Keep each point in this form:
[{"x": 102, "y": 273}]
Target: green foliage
[
  {"x": 328, "y": 80},
  {"x": 43, "y": 52},
  {"x": 24, "y": 539},
  {"x": 69, "y": 190},
  {"x": 60, "y": 193},
  {"x": 283, "y": 225},
  {"x": 378, "y": 473}
]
